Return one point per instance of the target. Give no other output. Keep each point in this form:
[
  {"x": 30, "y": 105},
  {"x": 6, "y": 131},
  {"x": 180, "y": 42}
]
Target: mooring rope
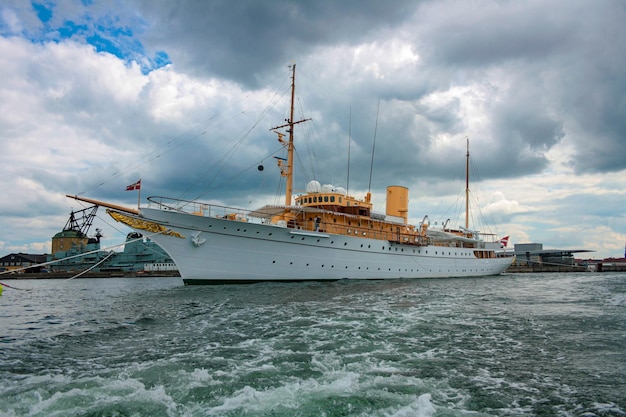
[{"x": 72, "y": 257}]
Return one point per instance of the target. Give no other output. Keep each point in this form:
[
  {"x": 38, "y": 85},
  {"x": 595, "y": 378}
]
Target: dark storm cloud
[
  {"x": 567, "y": 56},
  {"x": 537, "y": 46},
  {"x": 243, "y": 40}
]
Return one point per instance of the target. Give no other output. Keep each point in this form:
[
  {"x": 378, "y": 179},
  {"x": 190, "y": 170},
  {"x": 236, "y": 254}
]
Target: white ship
[{"x": 323, "y": 234}]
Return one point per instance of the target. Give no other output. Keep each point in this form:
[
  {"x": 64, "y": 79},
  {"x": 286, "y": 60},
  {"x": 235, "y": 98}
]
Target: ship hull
[{"x": 210, "y": 250}]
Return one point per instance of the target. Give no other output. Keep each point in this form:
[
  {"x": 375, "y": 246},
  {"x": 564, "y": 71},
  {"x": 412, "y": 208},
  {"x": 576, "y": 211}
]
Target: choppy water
[{"x": 536, "y": 344}]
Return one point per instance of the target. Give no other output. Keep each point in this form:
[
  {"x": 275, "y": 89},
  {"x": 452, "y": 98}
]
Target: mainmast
[
  {"x": 288, "y": 170},
  {"x": 467, "y": 155}
]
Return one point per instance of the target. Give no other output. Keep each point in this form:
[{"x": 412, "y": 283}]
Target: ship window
[
  {"x": 315, "y": 199},
  {"x": 310, "y": 200},
  {"x": 340, "y": 199},
  {"x": 332, "y": 198},
  {"x": 325, "y": 199}
]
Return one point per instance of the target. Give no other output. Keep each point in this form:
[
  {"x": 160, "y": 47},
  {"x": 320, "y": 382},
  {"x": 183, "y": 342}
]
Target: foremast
[
  {"x": 467, "y": 155},
  {"x": 287, "y": 171}
]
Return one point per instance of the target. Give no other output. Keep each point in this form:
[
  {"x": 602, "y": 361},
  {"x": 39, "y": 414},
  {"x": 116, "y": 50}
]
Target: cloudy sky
[{"x": 97, "y": 94}]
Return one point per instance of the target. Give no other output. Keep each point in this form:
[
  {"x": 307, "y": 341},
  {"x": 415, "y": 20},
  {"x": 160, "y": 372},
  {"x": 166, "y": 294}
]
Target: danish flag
[
  {"x": 135, "y": 186},
  {"x": 504, "y": 241}
]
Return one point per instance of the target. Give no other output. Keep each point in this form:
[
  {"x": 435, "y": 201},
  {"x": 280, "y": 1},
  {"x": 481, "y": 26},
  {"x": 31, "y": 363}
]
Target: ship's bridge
[{"x": 332, "y": 198}]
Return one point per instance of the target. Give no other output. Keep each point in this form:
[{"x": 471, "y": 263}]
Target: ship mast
[
  {"x": 288, "y": 170},
  {"x": 467, "y": 155}
]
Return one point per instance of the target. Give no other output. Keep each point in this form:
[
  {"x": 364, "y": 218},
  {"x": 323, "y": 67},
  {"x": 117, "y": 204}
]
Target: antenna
[{"x": 369, "y": 187}]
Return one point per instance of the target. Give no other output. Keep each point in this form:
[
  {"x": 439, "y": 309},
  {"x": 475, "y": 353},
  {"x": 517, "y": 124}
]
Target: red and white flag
[
  {"x": 504, "y": 241},
  {"x": 135, "y": 186}
]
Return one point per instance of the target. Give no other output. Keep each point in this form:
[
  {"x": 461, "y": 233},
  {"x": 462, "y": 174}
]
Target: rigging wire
[
  {"x": 221, "y": 164},
  {"x": 309, "y": 131},
  {"x": 369, "y": 187},
  {"x": 169, "y": 146},
  {"x": 215, "y": 120},
  {"x": 108, "y": 248},
  {"x": 349, "y": 142}
]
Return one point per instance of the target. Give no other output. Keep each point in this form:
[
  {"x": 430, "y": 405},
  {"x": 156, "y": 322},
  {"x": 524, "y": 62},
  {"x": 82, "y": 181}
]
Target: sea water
[{"x": 511, "y": 345}]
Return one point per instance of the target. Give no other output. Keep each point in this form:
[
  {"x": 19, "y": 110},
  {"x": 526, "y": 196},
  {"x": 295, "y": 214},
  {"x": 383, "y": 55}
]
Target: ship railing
[
  {"x": 232, "y": 213},
  {"x": 198, "y": 208},
  {"x": 364, "y": 232}
]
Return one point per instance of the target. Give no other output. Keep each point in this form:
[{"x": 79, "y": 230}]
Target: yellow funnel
[{"x": 398, "y": 202}]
